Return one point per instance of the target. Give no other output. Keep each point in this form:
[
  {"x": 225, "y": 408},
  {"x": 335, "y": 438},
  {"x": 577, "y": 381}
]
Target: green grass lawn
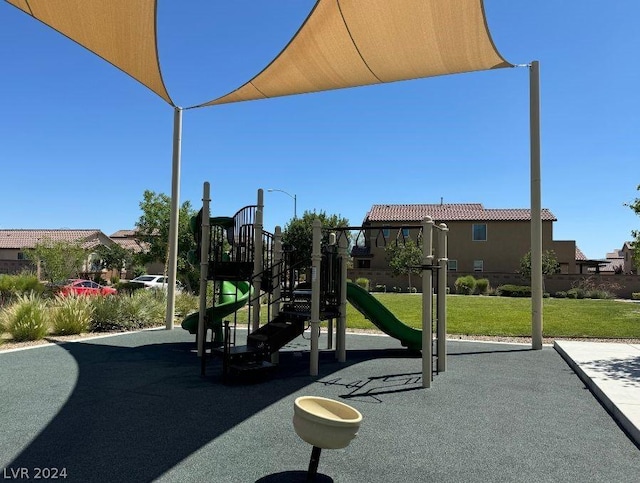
[{"x": 508, "y": 316}]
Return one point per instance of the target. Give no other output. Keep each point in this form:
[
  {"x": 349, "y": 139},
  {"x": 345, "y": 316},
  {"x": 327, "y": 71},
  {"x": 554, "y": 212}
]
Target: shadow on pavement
[
  {"x": 136, "y": 412},
  {"x": 625, "y": 370}
]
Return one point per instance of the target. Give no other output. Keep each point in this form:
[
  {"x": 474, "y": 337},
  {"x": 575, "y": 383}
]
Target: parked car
[
  {"x": 78, "y": 286},
  {"x": 154, "y": 282}
]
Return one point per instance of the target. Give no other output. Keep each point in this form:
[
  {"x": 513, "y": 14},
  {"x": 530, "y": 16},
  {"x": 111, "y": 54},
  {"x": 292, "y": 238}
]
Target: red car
[{"x": 84, "y": 287}]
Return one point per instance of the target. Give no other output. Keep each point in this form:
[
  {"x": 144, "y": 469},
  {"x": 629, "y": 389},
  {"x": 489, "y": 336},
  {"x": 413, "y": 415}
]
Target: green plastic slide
[
  {"x": 382, "y": 318},
  {"x": 233, "y": 297}
]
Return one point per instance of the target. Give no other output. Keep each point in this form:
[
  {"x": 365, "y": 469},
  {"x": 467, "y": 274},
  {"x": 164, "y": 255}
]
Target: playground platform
[{"x": 133, "y": 407}]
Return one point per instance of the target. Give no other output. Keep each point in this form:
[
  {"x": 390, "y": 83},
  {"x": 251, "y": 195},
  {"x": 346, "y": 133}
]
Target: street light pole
[{"x": 292, "y": 196}]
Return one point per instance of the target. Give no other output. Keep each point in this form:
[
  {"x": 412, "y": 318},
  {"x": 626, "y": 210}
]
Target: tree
[
  {"x": 298, "y": 233},
  {"x": 550, "y": 264},
  {"x": 58, "y": 260},
  {"x": 153, "y": 233},
  {"x": 404, "y": 257},
  {"x": 114, "y": 257},
  {"x": 635, "y": 244}
]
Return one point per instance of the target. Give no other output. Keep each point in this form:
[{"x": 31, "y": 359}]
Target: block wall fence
[{"x": 620, "y": 285}]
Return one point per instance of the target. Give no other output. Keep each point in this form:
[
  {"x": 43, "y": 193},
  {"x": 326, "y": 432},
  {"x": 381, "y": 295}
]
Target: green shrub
[
  {"x": 363, "y": 282},
  {"x": 482, "y": 285},
  {"x": 576, "y": 293},
  {"x": 138, "y": 270},
  {"x": 186, "y": 303},
  {"x": 635, "y": 296},
  {"x": 26, "y": 282},
  {"x": 27, "y": 318},
  {"x": 465, "y": 285},
  {"x": 599, "y": 294},
  {"x": 510, "y": 290},
  {"x": 144, "y": 308},
  {"x": 107, "y": 313},
  {"x": 560, "y": 295},
  {"x": 71, "y": 315},
  {"x": 6, "y": 288},
  {"x": 23, "y": 283}
]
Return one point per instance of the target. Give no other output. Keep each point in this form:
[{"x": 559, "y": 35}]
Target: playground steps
[
  {"x": 252, "y": 360},
  {"x": 274, "y": 335},
  {"x": 244, "y": 361}
]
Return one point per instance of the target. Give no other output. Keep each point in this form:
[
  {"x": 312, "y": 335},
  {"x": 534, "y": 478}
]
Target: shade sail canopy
[
  {"x": 123, "y": 32},
  {"x": 348, "y": 43},
  {"x": 342, "y": 43}
]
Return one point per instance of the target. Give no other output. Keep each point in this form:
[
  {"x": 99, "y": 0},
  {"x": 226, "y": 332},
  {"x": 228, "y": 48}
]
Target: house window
[
  {"x": 452, "y": 265},
  {"x": 405, "y": 232},
  {"x": 385, "y": 232},
  {"x": 21, "y": 256},
  {"x": 479, "y": 232},
  {"x": 364, "y": 263},
  {"x": 478, "y": 265}
]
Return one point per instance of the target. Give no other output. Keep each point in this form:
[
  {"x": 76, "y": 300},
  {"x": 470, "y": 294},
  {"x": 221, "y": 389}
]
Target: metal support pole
[
  {"x": 277, "y": 278},
  {"x": 536, "y": 209},
  {"x": 441, "y": 308},
  {"x": 278, "y": 274},
  {"x": 341, "y": 329},
  {"x": 205, "y": 240},
  {"x": 174, "y": 218},
  {"x": 427, "y": 300},
  {"x": 316, "y": 258},
  {"x": 257, "y": 261}
]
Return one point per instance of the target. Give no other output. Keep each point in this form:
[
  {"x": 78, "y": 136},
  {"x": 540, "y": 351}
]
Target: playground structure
[{"x": 250, "y": 266}]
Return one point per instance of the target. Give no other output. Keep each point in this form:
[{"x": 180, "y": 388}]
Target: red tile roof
[
  {"x": 131, "y": 244},
  {"x": 19, "y": 239},
  {"x": 124, "y": 234},
  {"x": 580, "y": 255},
  {"x": 450, "y": 212}
]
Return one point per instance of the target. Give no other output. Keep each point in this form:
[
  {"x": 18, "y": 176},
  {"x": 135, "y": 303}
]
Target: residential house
[
  {"x": 14, "y": 242},
  {"x": 480, "y": 240},
  {"x": 128, "y": 239},
  {"x": 627, "y": 253},
  {"x": 614, "y": 263}
]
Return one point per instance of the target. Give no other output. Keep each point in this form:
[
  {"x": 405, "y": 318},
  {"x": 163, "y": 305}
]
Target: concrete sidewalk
[{"x": 612, "y": 372}]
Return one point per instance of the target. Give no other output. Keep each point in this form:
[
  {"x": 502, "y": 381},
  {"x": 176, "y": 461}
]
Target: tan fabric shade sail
[
  {"x": 347, "y": 43},
  {"x": 123, "y": 32},
  {"x": 343, "y": 43}
]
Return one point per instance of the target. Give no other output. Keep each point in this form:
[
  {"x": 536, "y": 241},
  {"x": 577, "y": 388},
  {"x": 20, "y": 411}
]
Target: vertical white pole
[
  {"x": 427, "y": 300},
  {"x": 341, "y": 329},
  {"x": 278, "y": 274},
  {"x": 441, "y": 309},
  {"x": 277, "y": 277},
  {"x": 175, "y": 218},
  {"x": 536, "y": 209},
  {"x": 316, "y": 258},
  {"x": 257, "y": 260},
  {"x": 204, "y": 267}
]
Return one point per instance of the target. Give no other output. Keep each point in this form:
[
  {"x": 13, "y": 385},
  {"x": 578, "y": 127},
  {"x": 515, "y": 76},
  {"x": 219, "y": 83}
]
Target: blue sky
[{"x": 81, "y": 141}]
